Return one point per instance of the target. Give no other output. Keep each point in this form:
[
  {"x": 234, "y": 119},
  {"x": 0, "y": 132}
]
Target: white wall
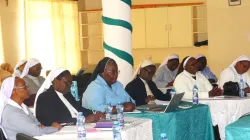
[
  {"x": 228, "y": 27},
  {"x": 12, "y": 21}
]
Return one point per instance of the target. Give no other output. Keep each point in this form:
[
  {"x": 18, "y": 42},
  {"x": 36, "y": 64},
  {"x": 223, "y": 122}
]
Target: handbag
[{"x": 231, "y": 88}]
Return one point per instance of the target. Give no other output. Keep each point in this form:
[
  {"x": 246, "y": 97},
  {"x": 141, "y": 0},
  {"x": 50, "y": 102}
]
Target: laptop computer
[{"x": 174, "y": 103}]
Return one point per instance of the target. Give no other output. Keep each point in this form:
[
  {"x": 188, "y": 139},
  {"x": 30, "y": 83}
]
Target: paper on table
[
  {"x": 135, "y": 111},
  {"x": 164, "y": 90},
  {"x": 104, "y": 129},
  {"x": 225, "y": 97},
  {"x": 159, "y": 102},
  {"x": 92, "y": 130}
]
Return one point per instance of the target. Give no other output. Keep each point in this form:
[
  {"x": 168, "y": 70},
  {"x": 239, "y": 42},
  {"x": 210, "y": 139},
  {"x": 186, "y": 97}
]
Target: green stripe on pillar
[
  {"x": 117, "y": 22},
  {"x": 128, "y": 2},
  {"x": 119, "y": 53}
]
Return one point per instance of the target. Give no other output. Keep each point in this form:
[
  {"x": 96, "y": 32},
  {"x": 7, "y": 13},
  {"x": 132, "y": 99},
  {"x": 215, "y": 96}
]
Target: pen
[{"x": 247, "y": 84}]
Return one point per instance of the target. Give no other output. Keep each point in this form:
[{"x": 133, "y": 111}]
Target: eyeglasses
[
  {"x": 67, "y": 82},
  {"x": 113, "y": 72},
  {"x": 149, "y": 70},
  {"x": 23, "y": 87}
]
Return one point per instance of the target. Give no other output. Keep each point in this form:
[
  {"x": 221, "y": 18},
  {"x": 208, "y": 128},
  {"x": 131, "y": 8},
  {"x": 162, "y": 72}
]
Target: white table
[
  {"x": 135, "y": 129},
  {"x": 226, "y": 111}
]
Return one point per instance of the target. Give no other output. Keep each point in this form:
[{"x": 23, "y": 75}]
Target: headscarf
[
  {"x": 100, "y": 68},
  {"x": 185, "y": 62},
  {"x": 48, "y": 82},
  {"x": 32, "y": 62},
  {"x": 143, "y": 64},
  {"x": 5, "y": 94},
  {"x": 170, "y": 57},
  {"x": 16, "y": 72},
  {"x": 199, "y": 56},
  {"x": 240, "y": 58}
]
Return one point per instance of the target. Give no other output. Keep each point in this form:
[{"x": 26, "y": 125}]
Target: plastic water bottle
[
  {"x": 81, "y": 131},
  {"x": 119, "y": 115},
  {"x": 241, "y": 84},
  {"x": 116, "y": 131},
  {"x": 108, "y": 111},
  {"x": 195, "y": 95},
  {"x": 172, "y": 92},
  {"x": 163, "y": 136},
  {"x": 74, "y": 90}
]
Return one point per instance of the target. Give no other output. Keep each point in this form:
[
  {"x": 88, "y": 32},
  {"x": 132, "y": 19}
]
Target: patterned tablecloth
[{"x": 135, "y": 129}]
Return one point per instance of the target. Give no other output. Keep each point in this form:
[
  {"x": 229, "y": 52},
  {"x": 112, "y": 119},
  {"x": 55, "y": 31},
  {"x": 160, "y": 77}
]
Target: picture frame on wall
[{"x": 234, "y": 2}]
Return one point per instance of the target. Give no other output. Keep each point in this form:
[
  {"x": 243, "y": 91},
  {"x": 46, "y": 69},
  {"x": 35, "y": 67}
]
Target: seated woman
[
  {"x": 204, "y": 69},
  {"x": 142, "y": 89},
  {"x": 55, "y": 103},
  {"x": 31, "y": 76},
  {"x": 16, "y": 117},
  {"x": 237, "y": 70},
  {"x": 186, "y": 80},
  {"x": 19, "y": 68},
  {"x": 167, "y": 71},
  {"x": 104, "y": 88}
]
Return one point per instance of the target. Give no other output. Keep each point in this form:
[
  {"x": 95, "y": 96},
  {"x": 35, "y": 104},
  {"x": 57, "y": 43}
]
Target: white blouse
[
  {"x": 230, "y": 74},
  {"x": 184, "y": 82}
]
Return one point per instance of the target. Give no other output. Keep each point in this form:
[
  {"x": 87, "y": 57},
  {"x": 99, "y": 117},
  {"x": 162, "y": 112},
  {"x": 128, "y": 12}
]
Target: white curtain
[
  {"x": 52, "y": 33},
  {"x": 1, "y": 44}
]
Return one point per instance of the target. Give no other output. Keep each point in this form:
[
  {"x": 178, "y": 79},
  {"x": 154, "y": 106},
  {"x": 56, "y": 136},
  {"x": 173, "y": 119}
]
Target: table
[
  {"x": 225, "y": 111},
  {"x": 135, "y": 129},
  {"x": 239, "y": 130},
  {"x": 183, "y": 124}
]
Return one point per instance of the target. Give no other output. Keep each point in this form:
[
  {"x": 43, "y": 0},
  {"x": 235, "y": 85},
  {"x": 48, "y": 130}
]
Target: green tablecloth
[
  {"x": 182, "y": 124},
  {"x": 239, "y": 130}
]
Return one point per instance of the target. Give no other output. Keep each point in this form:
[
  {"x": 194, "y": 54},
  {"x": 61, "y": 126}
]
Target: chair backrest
[
  {"x": 82, "y": 82},
  {"x": 81, "y": 71},
  {"x": 2, "y": 137},
  {"x": 21, "y": 136}
]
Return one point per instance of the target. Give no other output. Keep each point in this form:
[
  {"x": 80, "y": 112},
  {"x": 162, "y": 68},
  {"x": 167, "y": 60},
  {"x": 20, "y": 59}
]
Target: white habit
[{"x": 184, "y": 82}]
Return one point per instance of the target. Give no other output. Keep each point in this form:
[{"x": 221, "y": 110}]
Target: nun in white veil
[
  {"x": 236, "y": 71},
  {"x": 30, "y": 63},
  {"x": 15, "y": 117},
  {"x": 17, "y": 71},
  {"x": 185, "y": 81},
  {"x": 167, "y": 71},
  {"x": 142, "y": 89},
  {"x": 54, "y": 103},
  {"x": 48, "y": 82},
  {"x": 5, "y": 93},
  {"x": 31, "y": 76}
]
